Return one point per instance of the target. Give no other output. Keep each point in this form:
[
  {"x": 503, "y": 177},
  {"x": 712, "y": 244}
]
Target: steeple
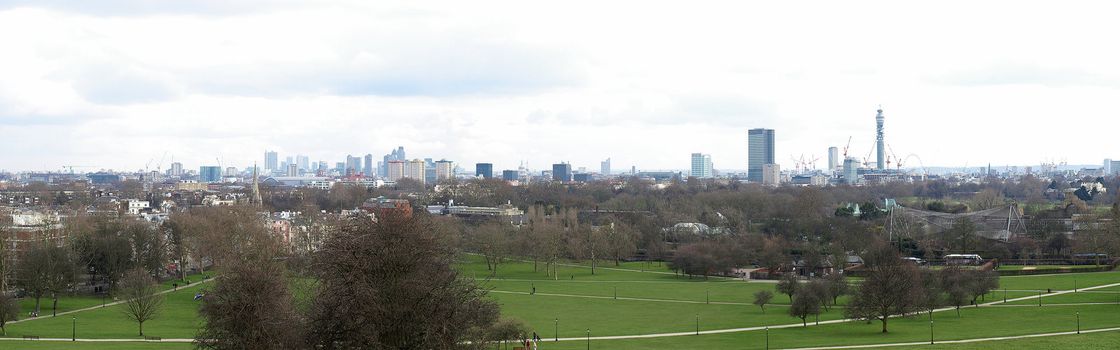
[{"x": 256, "y": 200}]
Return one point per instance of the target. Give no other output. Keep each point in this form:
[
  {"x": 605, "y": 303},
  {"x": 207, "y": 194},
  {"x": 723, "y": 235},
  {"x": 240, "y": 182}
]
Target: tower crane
[{"x": 846, "y": 147}]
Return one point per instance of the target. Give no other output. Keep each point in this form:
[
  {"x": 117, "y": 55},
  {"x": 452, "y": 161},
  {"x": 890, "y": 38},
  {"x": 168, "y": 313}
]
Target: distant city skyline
[{"x": 120, "y": 85}]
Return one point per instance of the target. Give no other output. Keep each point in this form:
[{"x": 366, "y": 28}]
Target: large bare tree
[
  {"x": 389, "y": 284},
  {"x": 142, "y": 300},
  {"x": 892, "y": 287},
  {"x": 250, "y": 307}
]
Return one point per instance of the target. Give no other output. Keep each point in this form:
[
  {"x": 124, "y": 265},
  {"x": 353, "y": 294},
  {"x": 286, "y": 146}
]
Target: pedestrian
[{"x": 534, "y": 290}]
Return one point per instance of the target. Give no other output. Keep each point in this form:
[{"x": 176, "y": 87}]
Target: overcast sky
[{"x": 121, "y": 82}]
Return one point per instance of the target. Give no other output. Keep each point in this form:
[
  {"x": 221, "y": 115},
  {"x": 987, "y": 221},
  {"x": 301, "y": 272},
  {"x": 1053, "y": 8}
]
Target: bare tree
[
  {"x": 805, "y": 302},
  {"x": 761, "y": 298},
  {"x": 954, "y": 283},
  {"x": 9, "y": 311},
  {"x": 142, "y": 301},
  {"x": 250, "y": 307},
  {"x": 788, "y": 285},
  {"x": 34, "y": 272},
  {"x": 390, "y": 284},
  {"x": 892, "y": 288}
]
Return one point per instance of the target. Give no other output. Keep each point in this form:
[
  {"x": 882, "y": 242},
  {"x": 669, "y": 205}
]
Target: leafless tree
[
  {"x": 805, "y": 302},
  {"x": 892, "y": 287},
  {"x": 250, "y": 307},
  {"x": 788, "y": 285},
  {"x": 142, "y": 301},
  {"x": 9, "y": 311},
  {"x": 390, "y": 284},
  {"x": 761, "y": 298}
]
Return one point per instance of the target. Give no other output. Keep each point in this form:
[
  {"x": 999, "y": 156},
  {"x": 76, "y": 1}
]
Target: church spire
[{"x": 256, "y": 200}]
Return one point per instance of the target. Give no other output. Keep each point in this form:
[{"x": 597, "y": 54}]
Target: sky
[{"x": 129, "y": 84}]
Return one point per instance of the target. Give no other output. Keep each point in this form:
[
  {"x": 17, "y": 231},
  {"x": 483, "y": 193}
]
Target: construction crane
[
  {"x": 71, "y": 167},
  {"x": 846, "y": 147}
]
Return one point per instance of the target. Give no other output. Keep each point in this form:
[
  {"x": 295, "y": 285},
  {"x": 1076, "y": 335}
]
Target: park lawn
[
  {"x": 475, "y": 267},
  {"x": 1087, "y": 341},
  {"x": 177, "y": 319},
  {"x": 1065, "y": 281},
  {"x": 1046, "y": 267},
  {"x": 721, "y": 291},
  {"x": 74, "y": 302},
  {"x": 628, "y": 317},
  {"x": 974, "y": 323},
  {"x": 65, "y": 345},
  {"x": 1073, "y": 298}
]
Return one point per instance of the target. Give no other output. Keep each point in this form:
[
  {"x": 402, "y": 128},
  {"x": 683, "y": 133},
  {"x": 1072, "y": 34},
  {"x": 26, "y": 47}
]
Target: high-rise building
[
  {"x": 367, "y": 168},
  {"x": 605, "y": 167},
  {"x": 209, "y": 174},
  {"x": 353, "y": 165},
  {"x": 1114, "y": 168},
  {"x": 486, "y": 170},
  {"x": 445, "y": 170},
  {"x": 833, "y": 158},
  {"x": 231, "y": 171},
  {"x": 701, "y": 166},
  {"x": 287, "y": 160},
  {"x": 414, "y": 169},
  {"x": 851, "y": 171},
  {"x": 562, "y": 172},
  {"x": 760, "y": 151},
  {"x": 176, "y": 169},
  {"x": 771, "y": 174},
  {"x": 303, "y": 163},
  {"x": 397, "y": 154},
  {"x": 879, "y": 151},
  {"x": 395, "y": 170},
  {"x": 293, "y": 170},
  {"x": 1107, "y": 169},
  {"x": 271, "y": 161},
  {"x": 509, "y": 175}
]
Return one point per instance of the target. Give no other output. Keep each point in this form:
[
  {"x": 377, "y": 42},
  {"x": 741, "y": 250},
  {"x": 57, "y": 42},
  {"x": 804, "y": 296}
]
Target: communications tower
[{"x": 879, "y": 148}]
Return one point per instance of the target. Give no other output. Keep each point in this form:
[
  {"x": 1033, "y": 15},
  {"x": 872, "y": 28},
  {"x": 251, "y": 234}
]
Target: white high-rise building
[
  {"x": 605, "y": 167},
  {"x": 833, "y": 158},
  {"x": 445, "y": 169},
  {"x": 395, "y": 169},
  {"x": 414, "y": 169},
  {"x": 701, "y": 166},
  {"x": 771, "y": 174}
]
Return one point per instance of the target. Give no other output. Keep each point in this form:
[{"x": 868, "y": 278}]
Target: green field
[{"x": 627, "y": 301}]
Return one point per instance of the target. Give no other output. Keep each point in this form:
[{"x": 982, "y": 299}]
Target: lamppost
[
  {"x": 1040, "y": 298},
  {"x": 707, "y": 297},
  {"x": 556, "y": 330},
  {"x": 697, "y": 324},
  {"x": 931, "y": 332},
  {"x": 589, "y": 339},
  {"x": 767, "y": 338},
  {"x": 1078, "y": 314},
  {"x": 74, "y": 329}
]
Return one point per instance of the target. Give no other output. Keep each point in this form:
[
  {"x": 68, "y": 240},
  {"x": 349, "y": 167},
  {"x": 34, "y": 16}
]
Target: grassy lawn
[
  {"x": 581, "y": 301},
  {"x": 177, "y": 319},
  {"x": 74, "y": 302},
  {"x": 1045, "y": 267},
  {"x": 1087, "y": 341},
  {"x": 52, "y": 345}
]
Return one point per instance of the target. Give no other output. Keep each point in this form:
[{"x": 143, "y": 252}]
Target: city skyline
[{"x": 525, "y": 86}]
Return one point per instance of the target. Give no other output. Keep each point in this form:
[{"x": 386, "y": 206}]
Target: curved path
[{"x": 104, "y": 305}]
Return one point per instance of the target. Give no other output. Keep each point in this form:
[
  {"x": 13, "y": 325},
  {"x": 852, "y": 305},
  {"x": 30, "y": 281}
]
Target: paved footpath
[{"x": 960, "y": 341}]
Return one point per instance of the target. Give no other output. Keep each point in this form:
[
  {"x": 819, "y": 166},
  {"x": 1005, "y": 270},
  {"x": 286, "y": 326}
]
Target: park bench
[
  {"x": 152, "y": 338},
  {"x": 30, "y": 337}
]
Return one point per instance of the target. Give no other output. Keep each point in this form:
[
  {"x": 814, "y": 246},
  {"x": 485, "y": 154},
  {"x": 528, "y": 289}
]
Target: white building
[
  {"x": 701, "y": 166},
  {"x": 445, "y": 169},
  {"x": 136, "y": 206},
  {"x": 771, "y": 174}
]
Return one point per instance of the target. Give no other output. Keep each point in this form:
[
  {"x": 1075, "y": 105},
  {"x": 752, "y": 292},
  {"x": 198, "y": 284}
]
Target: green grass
[
  {"x": 582, "y": 301},
  {"x": 1088, "y": 341},
  {"x": 1045, "y": 267},
  {"x": 53, "y": 345}
]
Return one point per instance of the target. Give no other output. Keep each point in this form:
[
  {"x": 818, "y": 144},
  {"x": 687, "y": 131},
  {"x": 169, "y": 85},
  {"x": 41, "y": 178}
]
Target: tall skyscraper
[
  {"x": 397, "y": 154},
  {"x": 176, "y": 169},
  {"x": 367, "y": 168},
  {"x": 879, "y": 151},
  {"x": 303, "y": 163},
  {"x": 833, "y": 158},
  {"x": 851, "y": 171},
  {"x": 760, "y": 151},
  {"x": 605, "y": 167},
  {"x": 562, "y": 172},
  {"x": 353, "y": 165},
  {"x": 209, "y": 174},
  {"x": 486, "y": 170},
  {"x": 293, "y": 170},
  {"x": 509, "y": 175},
  {"x": 701, "y": 166},
  {"x": 271, "y": 161}
]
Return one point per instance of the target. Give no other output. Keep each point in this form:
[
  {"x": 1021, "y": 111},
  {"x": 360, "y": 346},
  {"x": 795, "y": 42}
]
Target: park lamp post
[
  {"x": 767, "y": 337},
  {"x": 556, "y": 329},
  {"x": 1078, "y": 315},
  {"x": 589, "y": 339},
  {"x": 74, "y": 329},
  {"x": 697, "y": 324},
  {"x": 930, "y": 332}
]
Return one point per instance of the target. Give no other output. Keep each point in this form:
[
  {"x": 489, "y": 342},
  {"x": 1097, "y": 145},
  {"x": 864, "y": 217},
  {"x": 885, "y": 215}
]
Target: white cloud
[{"x": 642, "y": 83}]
